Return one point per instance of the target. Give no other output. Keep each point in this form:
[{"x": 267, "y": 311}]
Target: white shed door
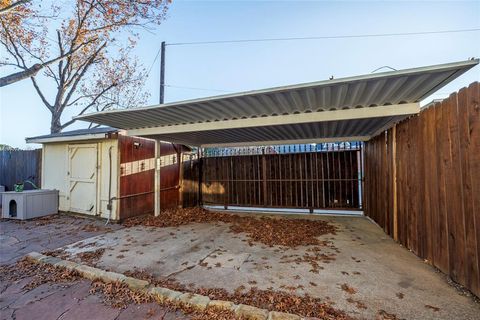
[{"x": 83, "y": 178}]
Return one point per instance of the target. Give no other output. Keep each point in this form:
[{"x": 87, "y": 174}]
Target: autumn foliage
[{"x": 85, "y": 49}]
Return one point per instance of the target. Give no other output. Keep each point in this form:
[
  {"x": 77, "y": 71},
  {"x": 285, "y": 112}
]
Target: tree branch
[
  {"x": 13, "y": 6},
  {"x": 80, "y": 75},
  {"x": 48, "y": 105},
  {"x": 66, "y": 124},
  {"x": 32, "y": 71}
]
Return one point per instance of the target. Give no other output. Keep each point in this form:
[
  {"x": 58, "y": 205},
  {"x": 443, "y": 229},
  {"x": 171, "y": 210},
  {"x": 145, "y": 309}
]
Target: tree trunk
[{"x": 55, "y": 126}]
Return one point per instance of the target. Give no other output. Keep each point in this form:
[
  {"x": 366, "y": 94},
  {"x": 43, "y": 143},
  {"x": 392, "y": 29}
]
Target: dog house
[
  {"x": 102, "y": 172},
  {"x": 29, "y": 204}
]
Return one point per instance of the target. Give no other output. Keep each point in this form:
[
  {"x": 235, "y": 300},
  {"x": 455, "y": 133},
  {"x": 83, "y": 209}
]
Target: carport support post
[{"x": 157, "y": 189}]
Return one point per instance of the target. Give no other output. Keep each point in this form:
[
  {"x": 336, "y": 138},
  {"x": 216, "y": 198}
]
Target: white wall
[
  {"x": 103, "y": 177},
  {"x": 55, "y": 173}
]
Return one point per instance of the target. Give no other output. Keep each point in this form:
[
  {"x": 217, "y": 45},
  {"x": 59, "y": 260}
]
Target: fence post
[
  {"x": 180, "y": 178},
  {"x": 394, "y": 189},
  {"x": 200, "y": 179},
  {"x": 264, "y": 180}
]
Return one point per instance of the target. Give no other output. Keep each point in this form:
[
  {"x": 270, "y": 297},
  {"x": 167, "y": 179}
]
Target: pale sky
[{"x": 222, "y": 68}]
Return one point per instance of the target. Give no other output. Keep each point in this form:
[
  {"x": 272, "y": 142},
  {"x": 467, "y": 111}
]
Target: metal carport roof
[{"x": 354, "y": 108}]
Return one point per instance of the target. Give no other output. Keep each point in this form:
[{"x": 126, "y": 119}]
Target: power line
[
  {"x": 373, "y": 35},
  {"x": 147, "y": 75},
  {"x": 195, "y": 88}
]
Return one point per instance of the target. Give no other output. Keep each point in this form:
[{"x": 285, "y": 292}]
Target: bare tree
[{"x": 88, "y": 66}]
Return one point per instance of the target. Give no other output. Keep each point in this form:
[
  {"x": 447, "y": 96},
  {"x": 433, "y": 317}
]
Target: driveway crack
[
  {"x": 192, "y": 266},
  {"x": 61, "y": 314}
]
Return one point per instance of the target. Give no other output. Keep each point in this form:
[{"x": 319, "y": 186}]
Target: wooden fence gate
[{"x": 311, "y": 180}]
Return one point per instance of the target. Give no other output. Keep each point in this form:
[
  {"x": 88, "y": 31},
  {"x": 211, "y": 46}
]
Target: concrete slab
[{"x": 382, "y": 274}]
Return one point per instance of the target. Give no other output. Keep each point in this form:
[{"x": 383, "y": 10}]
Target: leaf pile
[
  {"x": 91, "y": 257},
  {"x": 119, "y": 295},
  {"x": 114, "y": 294},
  {"x": 26, "y": 268},
  {"x": 270, "y": 231},
  {"x": 305, "y": 306},
  {"x": 313, "y": 256}
]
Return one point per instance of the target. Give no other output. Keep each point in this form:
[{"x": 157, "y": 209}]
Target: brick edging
[{"x": 191, "y": 299}]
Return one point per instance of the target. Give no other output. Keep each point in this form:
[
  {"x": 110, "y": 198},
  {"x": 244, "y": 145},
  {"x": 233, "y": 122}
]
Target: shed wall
[{"x": 55, "y": 174}]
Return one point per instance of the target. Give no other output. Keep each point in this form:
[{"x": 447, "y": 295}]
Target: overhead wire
[
  {"x": 196, "y": 88},
  {"x": 372, "y": 35}
]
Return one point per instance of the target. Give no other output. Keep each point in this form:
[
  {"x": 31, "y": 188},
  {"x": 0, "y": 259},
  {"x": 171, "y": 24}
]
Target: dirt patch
[
  {"x": 270, "y": 231},
  {"x": 305, "y": 306}
]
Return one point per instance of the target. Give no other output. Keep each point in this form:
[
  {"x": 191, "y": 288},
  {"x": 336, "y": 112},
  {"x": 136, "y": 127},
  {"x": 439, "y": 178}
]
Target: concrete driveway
[{"x": 361, "y": 270}]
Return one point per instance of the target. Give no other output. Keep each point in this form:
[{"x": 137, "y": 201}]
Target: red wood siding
[{"x": 137, "y": 176}]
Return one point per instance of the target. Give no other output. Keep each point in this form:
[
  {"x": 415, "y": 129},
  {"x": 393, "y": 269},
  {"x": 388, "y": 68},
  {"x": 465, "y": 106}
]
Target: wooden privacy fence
[
  {"x": 20, "y": 165},
  {"x": 422, "y": 182},
  {"x": 323, "y": 180}
]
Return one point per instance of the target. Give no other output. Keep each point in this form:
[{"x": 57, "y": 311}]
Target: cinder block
[
  {"x": 113, "y": 277},
  {"x": 222, "y": 304},
  {"x": 135, "y": 284},
  {"x": 36, "y": 256},
  {"x": 164, "y": 293},
  {"x": 90, "y": 272},
  {"x": 194, "y": 300},
  {"x": 69, "y": 265},
  {"x": 251, "y": 313},
  {"x": 274, "y": 315}
]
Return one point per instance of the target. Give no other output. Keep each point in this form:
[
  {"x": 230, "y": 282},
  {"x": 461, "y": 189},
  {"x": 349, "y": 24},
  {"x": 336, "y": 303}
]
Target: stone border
[{"x": 162, "y": 294}]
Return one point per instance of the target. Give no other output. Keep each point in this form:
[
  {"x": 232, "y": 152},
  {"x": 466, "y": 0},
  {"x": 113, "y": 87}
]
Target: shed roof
[
  {"x": 354, "y": 108},
  {"x": 83, "y": 134}
]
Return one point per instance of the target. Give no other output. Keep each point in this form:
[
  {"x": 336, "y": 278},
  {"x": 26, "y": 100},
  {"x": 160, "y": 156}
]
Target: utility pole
[{"x": 162, "y": 73}]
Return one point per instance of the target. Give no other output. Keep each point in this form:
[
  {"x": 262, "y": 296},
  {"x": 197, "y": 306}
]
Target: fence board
[
  {"x": 283, "y": 180},
  {"x": 20, "y": 165},
  {"x": 438, "y": 182}
]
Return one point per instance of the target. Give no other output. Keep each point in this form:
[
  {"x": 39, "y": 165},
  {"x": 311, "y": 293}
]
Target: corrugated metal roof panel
[
  {"x": 373, "y": 90},
  {"x": 269, "y": 134}
]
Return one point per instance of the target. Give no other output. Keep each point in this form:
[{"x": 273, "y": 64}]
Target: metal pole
[
  {"x": 157, "y": 187},
  {"x": 162, "y": 73}
]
